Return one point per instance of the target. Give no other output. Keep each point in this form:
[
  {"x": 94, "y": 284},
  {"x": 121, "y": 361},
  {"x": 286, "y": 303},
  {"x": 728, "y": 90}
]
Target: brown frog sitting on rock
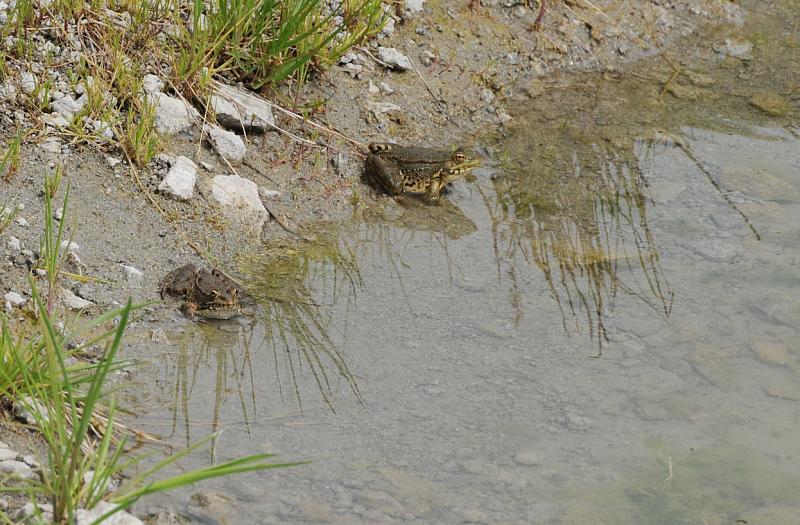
[
  {"x": 395, "y": 169},
  {"x": 207, "y": 293}
]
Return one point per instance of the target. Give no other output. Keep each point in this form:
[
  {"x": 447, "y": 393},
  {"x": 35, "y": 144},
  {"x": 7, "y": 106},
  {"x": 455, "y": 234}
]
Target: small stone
[
  {"x": 31, "y": 461},
  {"x": 152, "y": 84},
  {"x": 70, "y": 246},
  {"x": 13, "y": 244},
  {"x": 372, "y": 89},
  {"x": 386, "y": 88},
  {"x": 394, "y": 58},
  {"x": 88, "y": 517},
  {"x": 132, "y": 274},
  {"x": 22, "y": 222},
  {"x": 379, "y": 108},
  {"x": 31, "y": 508},
  {"x": 227, "y": 144},
  {"x": 267, "y": 193},
  {"x": 27, "y": 82},
  {"x": 206, "y": 166},
  {"x": 734, "y": 47},
  {"x": 388, "y": 28},
  {"x": 51, "y": 144},
  {"x": 179, "y": 181},
  {"x": 173, "y": 115},
  {"x": 55, "y": 120},
  {"x": 16, "y": 469},
  {"x": 240, "y": 198},
  {"x": 113, "y": 161},
  {"x": 14, "y": 299},
  {"x": 770, "y": 103},
  {"x": 103, "y": 129},
  {"x": 427, "y": 57},
  {"x": 68, "y": 107},
  {"x": 413, "y": 6},
  {"x": 58, "y": 214},
  {"x": 73, "y": 302},
  {"x": 505, "y": 118}
]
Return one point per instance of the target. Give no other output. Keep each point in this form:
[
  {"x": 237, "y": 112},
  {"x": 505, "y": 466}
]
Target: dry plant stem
[{"x": 537, "y": 25}]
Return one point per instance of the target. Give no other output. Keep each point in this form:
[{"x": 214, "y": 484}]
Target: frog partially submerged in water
[
  {"x": 395, "y": 169},
  {"x": 207, "y": 293}
]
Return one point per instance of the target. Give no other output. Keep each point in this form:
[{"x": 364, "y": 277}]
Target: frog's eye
[{"x": 459, "y": 156}]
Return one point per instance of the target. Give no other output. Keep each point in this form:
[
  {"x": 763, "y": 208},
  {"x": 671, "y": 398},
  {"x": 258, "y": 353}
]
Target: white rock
[
  {"x": 6, "y": 454},
  {"x": 51, "y": 144},
  {"x": 347, "y": 58},
  {"x": 394, "y": 58},
  {"x": 180, "y": 179},
  {"x": 27, "y": 82},
  {"x": 103, "y": 129},
  {"x": 29, "y": 509},
  {"x": 734, "y": 47},
  {"x": 413, "y": 6},
  {"x": 236, "y": 108},
  {"x": 54, "y": 120},
  {"x": 28, "y": 409},
  {"x": 70, "y": 246},
  {"x": 173, "y": 115},
  {"x": 113, "y": 161},
  {"x": 73, "y": 302},
  {"x": 386, "y": 88},
  {"x": 372, "y": 89},
  {"x": 22, "y": 222},
  {"x": 152, "y": 84},
  {"x": 67, "y": 106},
  {"x": 379, "y": 108},
  {"x": 13, "y": 244},
  {"x": 388, "y": 29},
  {"x": 16, "y": 469},
  {"x": 239, "y": 197},
  {"x": 87, "y": 517},
  {"x": 229, "y": 145},
  {"x": 132, "y": 274},
  {"x": 58, "y": 214},
  {"x": 15, "y": 299},
  {"x": 267, "y": 193},
  {"x": 31, "y": 461}
]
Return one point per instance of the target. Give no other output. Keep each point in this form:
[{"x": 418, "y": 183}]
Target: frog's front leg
[
  {"x": 434, "y": 191},
  {"x": 383, "y": 175}
]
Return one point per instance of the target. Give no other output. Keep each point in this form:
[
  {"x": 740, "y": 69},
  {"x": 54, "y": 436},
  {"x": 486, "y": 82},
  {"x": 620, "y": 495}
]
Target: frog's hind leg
[{"x": 383, "y": 176}]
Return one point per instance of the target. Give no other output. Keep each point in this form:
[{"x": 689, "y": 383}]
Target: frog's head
[{"x": 460, "y": 163}]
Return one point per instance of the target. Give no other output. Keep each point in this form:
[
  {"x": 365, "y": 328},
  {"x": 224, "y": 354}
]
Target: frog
[
  {"x": 396, "y": 170},
  {"x": 207, "y": 293}
]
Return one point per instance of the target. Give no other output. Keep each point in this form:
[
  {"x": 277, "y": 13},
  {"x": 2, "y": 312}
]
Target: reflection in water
[
  {"x": 228, "y": 353},
  {"x": 573, "y": 198},
  {"x": 295, "y": 328},
  {"x": 575, "y": 207}
]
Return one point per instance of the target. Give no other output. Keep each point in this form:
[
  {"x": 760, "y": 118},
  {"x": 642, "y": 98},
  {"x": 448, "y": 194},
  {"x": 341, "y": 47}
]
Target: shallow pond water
[{"x": 600, "y": 327}]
